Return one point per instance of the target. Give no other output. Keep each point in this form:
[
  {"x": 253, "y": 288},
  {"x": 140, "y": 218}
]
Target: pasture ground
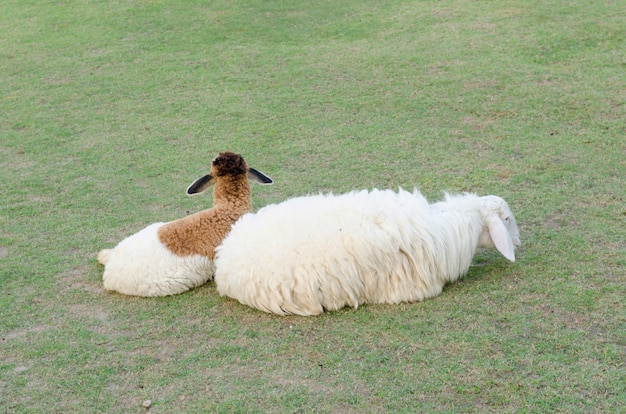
[{"x": 108, "y": 110}]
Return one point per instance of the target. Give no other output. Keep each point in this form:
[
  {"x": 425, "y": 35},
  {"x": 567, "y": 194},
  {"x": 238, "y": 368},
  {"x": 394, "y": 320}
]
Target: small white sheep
[
  {"x": 169, "y": 258},
  {"x": 324, "y": 252}
]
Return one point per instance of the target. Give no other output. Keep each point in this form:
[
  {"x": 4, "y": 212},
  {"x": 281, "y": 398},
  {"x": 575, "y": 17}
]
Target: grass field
[{"x": 108, "y": 110}]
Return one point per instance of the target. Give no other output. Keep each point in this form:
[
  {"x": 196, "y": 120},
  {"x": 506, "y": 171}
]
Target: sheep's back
[{"x": 324, "y": 252}]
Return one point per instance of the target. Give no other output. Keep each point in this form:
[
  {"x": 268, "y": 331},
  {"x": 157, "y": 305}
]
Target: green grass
[{"x": 108, "y": 110}]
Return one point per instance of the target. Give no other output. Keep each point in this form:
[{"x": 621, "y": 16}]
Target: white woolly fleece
[
  {"x": 324, "y": 252},
  {"x": 143, "y": 254}
]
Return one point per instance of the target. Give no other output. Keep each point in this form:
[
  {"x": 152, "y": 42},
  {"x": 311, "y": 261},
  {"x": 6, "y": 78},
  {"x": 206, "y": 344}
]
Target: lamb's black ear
[
  {"x": 259, "y": 177},
  {"x": 200, "y": 184}
]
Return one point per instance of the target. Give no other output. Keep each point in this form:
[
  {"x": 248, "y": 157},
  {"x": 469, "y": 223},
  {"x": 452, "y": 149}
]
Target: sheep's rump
[
  {"x": 325, "y": 252},
  {"x": 141, "y": 265}
]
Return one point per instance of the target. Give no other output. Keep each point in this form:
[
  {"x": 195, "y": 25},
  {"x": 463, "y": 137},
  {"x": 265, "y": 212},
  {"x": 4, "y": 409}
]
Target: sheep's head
[
  {"x": 500, "y": 229},
  {"x": 228, "y": 163}
]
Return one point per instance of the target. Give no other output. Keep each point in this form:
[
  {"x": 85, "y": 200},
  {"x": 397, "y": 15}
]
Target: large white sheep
[
  {"x": 324, "y": 252},
  {"x": 169, "y": 258}
]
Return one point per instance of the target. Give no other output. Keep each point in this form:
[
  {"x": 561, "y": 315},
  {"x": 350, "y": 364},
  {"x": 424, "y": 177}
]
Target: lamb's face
[
  {"x": 228, "y": 163},
  {"x": 496, "y": 208}
]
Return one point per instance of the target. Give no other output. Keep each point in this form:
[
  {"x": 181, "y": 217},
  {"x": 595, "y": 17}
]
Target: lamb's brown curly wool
[{"x": 202, "y": 232}]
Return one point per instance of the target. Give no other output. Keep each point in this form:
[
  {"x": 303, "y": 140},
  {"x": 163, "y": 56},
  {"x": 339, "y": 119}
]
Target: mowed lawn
[{"x": 108, "y": 110}]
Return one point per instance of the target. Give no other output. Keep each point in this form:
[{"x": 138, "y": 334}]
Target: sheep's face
[{"x": 496, "y": 216}]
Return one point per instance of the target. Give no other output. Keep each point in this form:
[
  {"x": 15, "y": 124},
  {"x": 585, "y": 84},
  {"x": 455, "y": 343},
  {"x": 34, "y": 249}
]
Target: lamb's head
[
  {"x": 499, "y": 227},
  {"x": 227, "y": 164}
]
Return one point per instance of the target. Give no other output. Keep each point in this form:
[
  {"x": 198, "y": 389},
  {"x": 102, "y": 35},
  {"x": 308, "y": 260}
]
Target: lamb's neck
[
  {"x": 201, "y": 232},
  {"x": 233, "y": 194}
]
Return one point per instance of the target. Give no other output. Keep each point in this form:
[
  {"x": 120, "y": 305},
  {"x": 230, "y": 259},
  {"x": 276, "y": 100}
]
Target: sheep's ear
[
  {"x": 258, "y": 176},
  {"x": 200, "y": 184},
  {"x": 501, "y": 238}
]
